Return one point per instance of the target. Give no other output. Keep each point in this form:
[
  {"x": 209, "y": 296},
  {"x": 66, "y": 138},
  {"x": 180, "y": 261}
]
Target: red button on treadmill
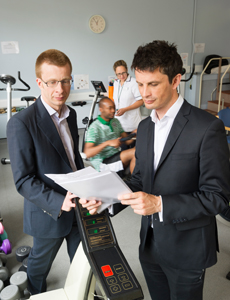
[{"x": 107, "y": 271}]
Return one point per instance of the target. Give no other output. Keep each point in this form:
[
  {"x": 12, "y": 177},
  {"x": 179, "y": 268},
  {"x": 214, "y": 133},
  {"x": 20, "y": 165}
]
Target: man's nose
[
  {"x": 145, "y": 92},
  {"x": 59, "y": 86}
]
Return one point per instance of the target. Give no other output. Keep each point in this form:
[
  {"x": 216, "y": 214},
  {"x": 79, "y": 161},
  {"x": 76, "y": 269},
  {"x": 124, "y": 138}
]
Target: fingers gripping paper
[{"x": 87, "y": 183}]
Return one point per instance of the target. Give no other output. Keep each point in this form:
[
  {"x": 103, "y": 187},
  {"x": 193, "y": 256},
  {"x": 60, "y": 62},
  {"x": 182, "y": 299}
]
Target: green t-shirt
[{"x": 100, "y": 131}]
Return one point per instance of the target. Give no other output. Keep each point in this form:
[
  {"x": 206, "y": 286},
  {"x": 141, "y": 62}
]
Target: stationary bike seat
[{"x": 28, "y": 98}]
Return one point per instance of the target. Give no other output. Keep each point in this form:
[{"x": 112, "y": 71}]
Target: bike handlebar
[{"x": 11, "y": 79}]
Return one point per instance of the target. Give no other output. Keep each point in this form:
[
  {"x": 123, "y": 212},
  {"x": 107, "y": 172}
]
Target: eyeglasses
[
  {"x": 121, "y": 74},
  {"x": 54, "y": 83}
]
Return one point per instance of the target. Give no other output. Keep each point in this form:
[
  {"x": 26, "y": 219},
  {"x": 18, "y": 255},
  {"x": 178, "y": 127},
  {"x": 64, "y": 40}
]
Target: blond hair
[{"x": 51, "y": 57}]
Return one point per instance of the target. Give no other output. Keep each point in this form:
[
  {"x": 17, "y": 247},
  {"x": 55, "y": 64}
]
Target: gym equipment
[
  {"x": 9, "y": 81},
  {"x": 128, "y": 137},
  {"x": 22, "y": 252},
  {"x": 113, "y": 273},
  {"x": 28, "y": 99},
  {"x": 11, "y": 292},
  {"x": 4, "y": 274},
  {"x": 228, "y": 276},
  {"x": 1, "y": 285},
  {"x": 24, "y": 265},
  {"x": 99, "y": 88},
  {"x": 1, "y": 228},
  {"x": 79, "y": 284},
  {"x": 4, "y": 236},
  {"x": 20, "y": 280},
  {"x": 191, "y": 75},
  {"x": 101, "y": 255},
  {"x": 79, "y": 103},
  {"x": 16, "y": 287},
  {"x": 1, "y": 263},
  {"x": 3, "y": 258},
  {"x": 6, "y": 247}
]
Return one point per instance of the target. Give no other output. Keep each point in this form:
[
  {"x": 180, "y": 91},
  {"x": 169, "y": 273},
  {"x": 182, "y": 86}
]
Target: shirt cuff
[
  {"x": 160, "y": 214},
  {"x": 60, "y": 213},
  {"x": 111, "y": 210}
]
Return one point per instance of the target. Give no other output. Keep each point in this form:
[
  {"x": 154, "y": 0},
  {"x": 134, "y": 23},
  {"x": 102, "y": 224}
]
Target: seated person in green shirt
[{"x": 102, "y": 142}]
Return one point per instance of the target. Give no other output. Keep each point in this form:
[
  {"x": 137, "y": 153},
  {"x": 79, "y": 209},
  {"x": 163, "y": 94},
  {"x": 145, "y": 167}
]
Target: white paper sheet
[{"x": 87, "y": 183}]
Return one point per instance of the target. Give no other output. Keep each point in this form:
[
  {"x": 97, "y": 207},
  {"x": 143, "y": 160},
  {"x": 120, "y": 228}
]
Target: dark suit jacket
[
  {"x": 36, "y": 149},
  {"x": 193, "y": 178}
]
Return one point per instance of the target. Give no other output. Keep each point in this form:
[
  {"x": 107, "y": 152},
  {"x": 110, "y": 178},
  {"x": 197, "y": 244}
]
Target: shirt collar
[
  {"x": 103, "y": 121},
  {"x": 64, "y": 112},
  {"x": 128, "y": 78},
  {"x": 172, "y": 111}
]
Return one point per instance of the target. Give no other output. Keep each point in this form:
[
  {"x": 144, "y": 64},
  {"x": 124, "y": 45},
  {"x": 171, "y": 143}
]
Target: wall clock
[{"x": 97, "y": 23}]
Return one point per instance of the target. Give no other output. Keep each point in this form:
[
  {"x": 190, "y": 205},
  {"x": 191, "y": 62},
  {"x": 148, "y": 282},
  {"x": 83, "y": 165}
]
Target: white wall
[{"x": 40, "y": 25}]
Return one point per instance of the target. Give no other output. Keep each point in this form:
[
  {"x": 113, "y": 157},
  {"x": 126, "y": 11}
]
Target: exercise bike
[{"x": 9, "y": 81}]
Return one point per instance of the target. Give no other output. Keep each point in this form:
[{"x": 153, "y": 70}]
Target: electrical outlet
[
  {"x": 199, "y": 47},
  {"x": 198, "y": 68}
]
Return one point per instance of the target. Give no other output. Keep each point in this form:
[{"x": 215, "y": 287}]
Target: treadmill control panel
[
  {"x": 108, "y": 263},
  {"x": 97, "y": 229}
]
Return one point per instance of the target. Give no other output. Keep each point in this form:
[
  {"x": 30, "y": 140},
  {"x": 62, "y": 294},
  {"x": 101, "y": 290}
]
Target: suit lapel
[
  {"x": 177, "y": 127},
  {"x": 74, "y": 133},
  {"x": 150, "y": 154},
  {"x": 48, "y": 128}
]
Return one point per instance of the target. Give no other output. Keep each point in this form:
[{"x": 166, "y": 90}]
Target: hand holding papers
[{"x": 87, "y": 183}]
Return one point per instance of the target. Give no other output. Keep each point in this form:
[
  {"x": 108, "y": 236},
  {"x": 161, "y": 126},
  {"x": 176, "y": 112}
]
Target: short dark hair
[
  {"x": 103, "y": 100},
  {"x": 158, "y": 54},
  {"x": 51, "y": 57}
]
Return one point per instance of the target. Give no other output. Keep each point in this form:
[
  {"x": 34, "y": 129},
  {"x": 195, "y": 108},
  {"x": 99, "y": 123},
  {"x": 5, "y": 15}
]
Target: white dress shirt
[
  {"x": 63, "y": 131},
  {"x": 161, "y": 132},
  {"x": 162, "y": 129}
]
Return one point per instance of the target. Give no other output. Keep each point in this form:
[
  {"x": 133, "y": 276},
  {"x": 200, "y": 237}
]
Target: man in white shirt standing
[
  {"x": 180, "y": 181},
  {"x": 44, "y": 139}
]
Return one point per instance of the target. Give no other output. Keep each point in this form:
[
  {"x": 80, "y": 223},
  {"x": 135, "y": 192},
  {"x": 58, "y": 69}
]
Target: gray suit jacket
[{"x": 36, "y": 149}]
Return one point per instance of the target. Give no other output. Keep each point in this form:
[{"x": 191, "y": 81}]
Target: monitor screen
[{"x": 99, "y": 86}]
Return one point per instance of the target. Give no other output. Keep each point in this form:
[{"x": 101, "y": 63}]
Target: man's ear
[
  {"x": 39, "y": 82},
  {"x": 176, "y": 81}
]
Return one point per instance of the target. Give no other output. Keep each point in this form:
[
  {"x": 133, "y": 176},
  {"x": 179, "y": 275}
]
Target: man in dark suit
[
  {"x": 44, "y": 139},
  {"x": 180, "y": 182}
]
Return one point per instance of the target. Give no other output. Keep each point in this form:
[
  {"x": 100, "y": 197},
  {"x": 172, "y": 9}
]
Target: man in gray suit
[
  {"x": 180, "y": 182},
  {"x": 44, "y": 139}
]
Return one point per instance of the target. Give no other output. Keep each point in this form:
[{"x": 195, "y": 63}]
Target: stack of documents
[{"x": 87, "y": 183}]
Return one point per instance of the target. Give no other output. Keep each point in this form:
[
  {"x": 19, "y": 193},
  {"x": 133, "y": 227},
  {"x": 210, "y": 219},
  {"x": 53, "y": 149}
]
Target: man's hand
[
  {"x": 114, "y": 143},
  {"x": 134, "y": 131},
  {"x": 68, "y": 202},
  {"x": 91, "y": 205},
  {"x": 142, "y": 203}
]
